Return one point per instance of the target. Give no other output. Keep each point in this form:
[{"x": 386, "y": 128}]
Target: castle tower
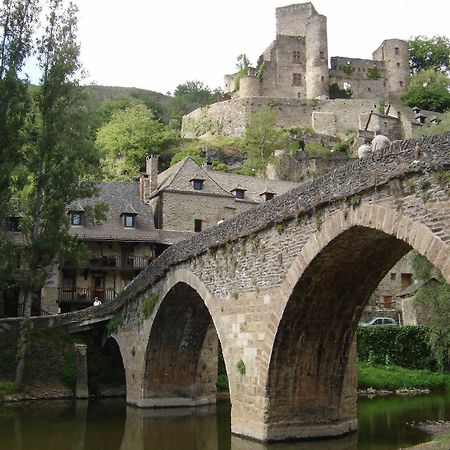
[
  {"x": 250, "y": 86},
  {"x": 291, "y": 20},
  {"x": 316, "y": 73},
  {"x": 395, "y": 54}
]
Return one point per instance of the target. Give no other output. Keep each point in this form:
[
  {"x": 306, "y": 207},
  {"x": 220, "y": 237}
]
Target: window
[
  {"x": 296, "y": 79},
  {"x": 321, "y": 54},
  {"x": 197, "y": 225},
  {"x": 240, "y": 194},
  {"x": 406, "y": 280},
  {"x": 387, "y": 301},
  {"x": 400, "y": 83},
  {"x": 128, "y": 220},
  {"x": 12, "y": 224},
  {"x": 75, "y": 218},
  {"x": 398, "y": 64},
  {"x": 392, "y": 276},
  {"x": 322, "y": 79},
  {"x": 368, "y": 89},
  {"x": 296, "y": 57},
  {"x": 396, "y": 50},
  {"x": 197, "y": 184}
]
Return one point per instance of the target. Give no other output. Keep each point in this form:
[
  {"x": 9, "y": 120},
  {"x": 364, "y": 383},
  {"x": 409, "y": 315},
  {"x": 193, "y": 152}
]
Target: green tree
[
  {"x": 243, "y": 66},
  {"x": 429, "y": 53},
  {"x": 130, "y": 136},
  {"x": 262, "y": 138},
  {"x": 432, "y": 300},
  {"x": 190, "y": 96},
  {"x": 428, "y": 89},
  {"x": 17, "y": 19},
  {"x": 58, "y": 158}
]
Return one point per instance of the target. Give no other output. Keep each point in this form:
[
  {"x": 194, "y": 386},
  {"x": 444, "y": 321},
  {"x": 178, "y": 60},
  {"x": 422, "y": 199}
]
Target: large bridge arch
[{"x": 311, "y": 379}]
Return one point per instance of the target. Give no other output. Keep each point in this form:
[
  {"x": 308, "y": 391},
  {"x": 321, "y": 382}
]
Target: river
[{"x": 384, "y": 424}]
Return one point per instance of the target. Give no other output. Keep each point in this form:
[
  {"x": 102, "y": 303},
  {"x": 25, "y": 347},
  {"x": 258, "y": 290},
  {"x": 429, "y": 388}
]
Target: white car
[{"x": 379, "y": 321}]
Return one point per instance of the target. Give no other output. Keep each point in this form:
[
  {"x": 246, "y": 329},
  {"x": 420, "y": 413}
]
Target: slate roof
[
  {"x": 121, "y": 198},
  {"x": 178, "y": 178}
]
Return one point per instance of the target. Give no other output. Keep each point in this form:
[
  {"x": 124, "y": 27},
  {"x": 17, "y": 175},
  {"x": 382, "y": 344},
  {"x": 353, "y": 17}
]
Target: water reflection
[{"x": 111, "y": 425}]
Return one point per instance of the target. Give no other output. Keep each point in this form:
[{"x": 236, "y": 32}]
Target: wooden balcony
[
  {"x": 85, "y": 296},
  {"x": 113, "y": 262}
]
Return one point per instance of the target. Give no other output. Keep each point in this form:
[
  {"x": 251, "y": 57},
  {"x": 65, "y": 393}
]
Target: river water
[{"x": 384, "y": 424}]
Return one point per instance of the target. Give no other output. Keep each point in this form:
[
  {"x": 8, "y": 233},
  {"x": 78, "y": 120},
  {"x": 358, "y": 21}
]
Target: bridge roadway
[{"x": 282, "y": 287}]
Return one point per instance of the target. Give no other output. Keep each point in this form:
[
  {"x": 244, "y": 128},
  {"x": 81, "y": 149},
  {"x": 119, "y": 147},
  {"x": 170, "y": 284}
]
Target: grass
[{"x": 394, "y": 377}]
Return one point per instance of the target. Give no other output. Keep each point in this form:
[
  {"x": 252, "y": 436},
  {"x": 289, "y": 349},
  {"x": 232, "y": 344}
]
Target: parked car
[{"x": 379, "y": 321}]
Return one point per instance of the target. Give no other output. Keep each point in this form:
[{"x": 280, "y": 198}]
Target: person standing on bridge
[{"x": 380, "y": 142}]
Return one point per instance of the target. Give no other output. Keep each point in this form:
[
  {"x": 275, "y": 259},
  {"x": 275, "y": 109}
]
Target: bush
[
  {"x": 402, "y": 346},
  {"x": 394, "y": 377}
]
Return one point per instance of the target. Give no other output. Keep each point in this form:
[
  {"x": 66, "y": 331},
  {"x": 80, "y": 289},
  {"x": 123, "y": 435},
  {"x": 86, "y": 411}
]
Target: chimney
[{"x": 150, "y": 179}]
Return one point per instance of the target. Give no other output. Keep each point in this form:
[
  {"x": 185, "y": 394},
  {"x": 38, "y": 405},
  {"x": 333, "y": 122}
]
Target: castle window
[
  {"x": 296, "y": 57},
  {"x": 12, "y": 224},
  {"x": 400, "y": 83},
  {"x": 296, "y": 79},
  {"x": 398, "y": 64},
  {"x": 197, "y": 184},
  {"x": 396, "y": 50},
  {"x": 384, "y": 83},
  {"x": 368, "y": 89},
  {"x": 321, "y": 54},
  {"x": 197, "y": 225},
  {"x": 322, "y": 78}
]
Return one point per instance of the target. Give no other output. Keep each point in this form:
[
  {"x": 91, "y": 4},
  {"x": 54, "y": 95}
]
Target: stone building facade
[{"x": 142, "y": 220}]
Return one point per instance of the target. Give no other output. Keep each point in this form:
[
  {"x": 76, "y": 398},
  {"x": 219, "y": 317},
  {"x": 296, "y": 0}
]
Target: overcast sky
[{"x": 158, "y": 44}]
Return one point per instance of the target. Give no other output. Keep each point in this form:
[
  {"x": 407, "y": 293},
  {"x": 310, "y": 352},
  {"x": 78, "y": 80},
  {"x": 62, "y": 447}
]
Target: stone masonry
[{"x": 283, "y": 286}]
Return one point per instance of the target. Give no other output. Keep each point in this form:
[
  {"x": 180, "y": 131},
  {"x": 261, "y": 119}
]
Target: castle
[
  {"x": 295, "y": 65},
  {"x": 293, "y": 77}
]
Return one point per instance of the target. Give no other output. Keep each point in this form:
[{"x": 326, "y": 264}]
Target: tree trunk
[{"x": 24, "y": 336}]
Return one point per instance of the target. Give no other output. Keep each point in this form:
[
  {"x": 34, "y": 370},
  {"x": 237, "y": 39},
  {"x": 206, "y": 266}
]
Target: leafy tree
[
  {"x": 432, "y": 299},
  {"x": 190, "y": 96},
  {"x": 17, "y": 19},
  {"x": 130, "y": 136},
  {"x": 428, "y": 89},
  {"x": 433, "y": 53},
  {"x": 58, "y": 158},
  {"x": 262, "y": 138},
  {"x": 243, "y": 66},
  {"x": 191, "y": 150}
]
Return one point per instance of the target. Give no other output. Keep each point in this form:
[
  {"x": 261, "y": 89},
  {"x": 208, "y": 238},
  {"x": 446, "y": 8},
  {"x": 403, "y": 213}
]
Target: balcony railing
[
  {"x": 85, "y": 295},
  {"x": 112, "y": 262}
]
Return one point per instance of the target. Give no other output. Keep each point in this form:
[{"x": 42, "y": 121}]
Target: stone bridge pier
[{"x": 282, "y": 288}]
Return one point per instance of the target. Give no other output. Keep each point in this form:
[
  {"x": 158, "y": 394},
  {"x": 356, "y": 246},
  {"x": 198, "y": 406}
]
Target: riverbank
[{"x": 439, "y": 430}]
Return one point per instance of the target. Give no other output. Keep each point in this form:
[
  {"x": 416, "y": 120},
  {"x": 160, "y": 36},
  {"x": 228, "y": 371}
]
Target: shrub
[{"x": 404, "y": 346}]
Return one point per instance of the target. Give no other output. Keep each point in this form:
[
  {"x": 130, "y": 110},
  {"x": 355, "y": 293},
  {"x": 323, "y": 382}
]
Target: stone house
[{"x": 143, "y": 218}]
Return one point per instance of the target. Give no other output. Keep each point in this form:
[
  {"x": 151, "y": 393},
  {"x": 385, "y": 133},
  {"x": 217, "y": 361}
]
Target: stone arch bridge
[{"x": 282, "y": 286}]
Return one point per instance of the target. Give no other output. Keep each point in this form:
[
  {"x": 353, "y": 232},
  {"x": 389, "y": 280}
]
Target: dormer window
[
  {"x": 129, "y": 220},
  {"x": 128, "y": 215},
  {"x": 75, "y": 218},
  {"x": 197, "y": 184},
  {"x": 12, "y": 224},
  {"x": 239, "y": 192},
  {"x": 267, "y": 195}
]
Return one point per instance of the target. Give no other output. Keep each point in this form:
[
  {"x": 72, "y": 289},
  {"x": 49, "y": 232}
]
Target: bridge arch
[
  {"x": 181, "y": 351},
  {"x": 311, "y": 380}
]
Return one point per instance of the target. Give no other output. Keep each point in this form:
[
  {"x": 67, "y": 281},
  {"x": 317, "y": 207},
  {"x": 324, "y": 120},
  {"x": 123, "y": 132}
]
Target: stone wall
[
  {"x": 181, "y": 209},
  {"x": 230, "y": 117}
]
